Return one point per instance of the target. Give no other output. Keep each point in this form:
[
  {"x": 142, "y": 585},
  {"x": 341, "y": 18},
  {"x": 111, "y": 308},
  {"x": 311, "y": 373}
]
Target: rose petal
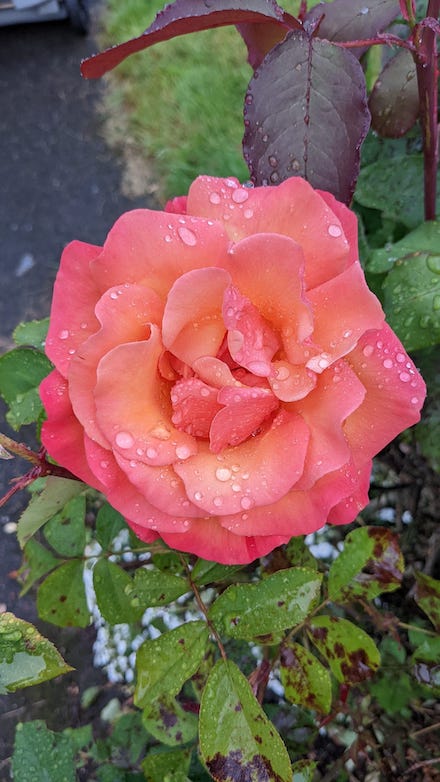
[
  {"x": 124, "y": 314},
  {"x": 195, "y": 405},
  {"x": 192, "y": 322},
  {"x": 278, "y": 296},
  {"x": 289, "y": 382},
  {"x": 257, "y": 472},
  {"x": 245, "y": 411},
  {"x": 343, "y": 309},
  {"x": 303, "y": 512},
  {"x": 395, "y": 393},
  {"x": 292, "y": 208},
  {"x": 209, "y": 540},
  {"x": 62, "y": 434},
  {"x": 348, "y": 221},
  {"x": 155, "y": 248},
  {"x": 214, "y": 372},
  {"x": 72, "y": 317},
  {"x": 251, "y": 341},
  {"x": 133, "y": 408},
  {"x": 337, "y": 394}
]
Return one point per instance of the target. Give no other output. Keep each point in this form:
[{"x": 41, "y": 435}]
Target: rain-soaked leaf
[
  {"x": 112, "y": 586},
  {"x": 303, "y": 771},
  {"x": 370, "y": 563},
  {"x": 40, "y": 755},
  {"x": 164, "y": 664},
  {"x": 306, "y": 115},
  {"x": 237, "y": 740},
  {"x": 262, "y": 611},
  {"x": 154, "y": 588},
  {"x": 394, "y": 188},
  {"x": 306, "y": 682},
  {"x": 205, "y": 572},
  {"x": 66, "y": 532},
  {"x": 260, "y": 39},
  {"x": 33, "y": 333},
  {"x": 54, "y": 496},
  {"x": 187, "y": 16},
  {"x": 163, "y": 764},
  {"x": 109, "y": 522},
  {"x": 424, "y": 239},
  {"x": 61, "y": 598},
  {"x": 412, "y": 299},
  {"x": 350, "y": 653},
  {"x": 426, "y": 664},
  {"x": 21, "y": 372},
  {"x": 26, "y": 657},
  {"x": 394, "y": 101},
  {"x": 353, "y": 20},
  {"x": 427, "y": 597},
  {"x": 37, "y": 561},
  {"x": 169, "y": 722}
]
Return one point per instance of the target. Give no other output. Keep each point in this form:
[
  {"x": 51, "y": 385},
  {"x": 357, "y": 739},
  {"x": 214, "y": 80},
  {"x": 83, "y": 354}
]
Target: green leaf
[
  {"x": 412, "y": 299},
  {"x": 109, "y": 523},
  {"x": 400, "y": 201},
  {"x": 129, "y": 734},
  {"x": 162, "y": 762},
  {"x": 61, "y": 598},
  {"x": 66, "y": 532},
  {"x": 303, "y": 771},
  {"x": 350, "y": 653},
  {"x": 37, "y": 561},
  {"x": 32, "y": 333},
  {"x": 26, "y": 657},
  {"x": 305, "y": 681},
  {"x": 112, "y": 586},
  {"x": 263, "y": 610},
  {"x": 164, "y": 664},
  {"x": 426, "y": 665},
  {"x": 371, "y": 563},
  {"x": 299, "y": 554},
  {"x": 41, "y": 755},
  {"x": 237, "y": 740},
  {"x": 427, "y": 597},
  {"x": 169, "y": 723},
  {"x": 54, "y": 496},
  {"x": 154, "y": 588},
  {"x": 205, "y": 572},
  {"x": 425, "y": 239},
  {"x": 21, "y": 372}
]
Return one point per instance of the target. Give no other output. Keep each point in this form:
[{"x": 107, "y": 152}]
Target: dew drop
[
  {"x": 223, "y": 474},
  {"x": 236, "y": 487},
  {"x": 217, "y": 501},
  {"x": 400, "y": 358},
  {"x": 63, "y": 334},
  {"x": 388, "y": 364},
  {"x": 248, "y": 213},
  {"x": 83, "y": 325},
  {"x": 124, "y": 440},
  {"x": 405, "y": 377},
  {"x": 151, "y": 453},
  {"x": 240, "y": 195},
  {"x": 368, "y": 350},
  {"x": 168, "y": 238},
  {"x": 414, "y": 400},
  {"x": 273, "y": 161},
  {"x": 187, "y": 236},
  {"x": 198, "y": 496},
  {"x": 113, "y": 295},
  {"x": 282, "y": 373},
  {"x": 246, "y": 503},
  {"x": 347, "y": 333},
  {"x": 104, "y": 464},
  {"x": 182, "y": 452},
  {"x": 214, "y": 198},
  {"x": 274, "y": 177},
  {"x": 433, "y": 263},
  {"x": 334, "y": 231}
]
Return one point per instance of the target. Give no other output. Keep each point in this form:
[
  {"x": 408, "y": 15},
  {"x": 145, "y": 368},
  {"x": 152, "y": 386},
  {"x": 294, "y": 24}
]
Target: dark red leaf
[
  {"x": 260, "y": 39},
  {"x": 353, "y": 20},
  {"x": 188, "y": 16},
  {"x": 394, "y": 101},
  {"x": 306, "y": 115}
]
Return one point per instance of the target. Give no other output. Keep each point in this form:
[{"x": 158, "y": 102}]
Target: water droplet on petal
[
  {"x": 334, "y": 231},
  {"x": 414, "y": 400},
  {"x": 368, "y": 350},
  {"x": 222, "y": 474},
  {"x": 217, "y": 501},
  {"x": 187, "y": 236},
  {"x": 124, "y": 440},
  {"x": 63, "y": 334},
  {"x": 182, "y": 452},
  {"x": 248, "y": 213},
  {"x": 405, "y": 377},
  {"x": 246, "y": 503},
  {"x": 151, "y": 453},
  {"x": 388, "y": 364},
  {"x": 240, "y": 195},
  {"x": 214, "y": 198},
  {"x": 168, "y": 238}
]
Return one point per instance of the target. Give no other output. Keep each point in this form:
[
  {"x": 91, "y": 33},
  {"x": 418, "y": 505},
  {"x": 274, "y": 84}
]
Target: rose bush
[{"x": 222, "y": 372}]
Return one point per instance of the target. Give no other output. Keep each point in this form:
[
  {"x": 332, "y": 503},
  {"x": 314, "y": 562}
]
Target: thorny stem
[
  {"x": 425, "y": 58},
  {"x": 203, "y": 608}
]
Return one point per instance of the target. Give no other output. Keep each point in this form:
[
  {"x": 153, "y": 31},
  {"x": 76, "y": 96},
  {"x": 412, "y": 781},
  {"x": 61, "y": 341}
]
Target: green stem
[{"x": 203, "y": 609}]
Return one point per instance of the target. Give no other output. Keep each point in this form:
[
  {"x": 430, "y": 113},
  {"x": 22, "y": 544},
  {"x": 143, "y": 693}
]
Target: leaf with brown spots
[
  {"x": 237, "y": 740},
  {"x": 371, "y": 563},
  {"x": 61, "y": 598},
  {"x": 427, "y": 597},
  {"x": 351, "y": 654},
  {"x": 168, "y": 722},
  {"x": 305, "y": 681}
]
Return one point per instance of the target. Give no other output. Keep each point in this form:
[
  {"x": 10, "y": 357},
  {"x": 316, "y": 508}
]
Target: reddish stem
[{"x": 425, "y": 58}]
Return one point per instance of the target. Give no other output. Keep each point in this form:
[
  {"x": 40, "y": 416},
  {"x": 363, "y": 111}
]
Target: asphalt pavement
[{"x": 58, "y": 181}]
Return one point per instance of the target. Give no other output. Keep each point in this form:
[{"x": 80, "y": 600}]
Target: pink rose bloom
[{"x": 222, "y": 372}]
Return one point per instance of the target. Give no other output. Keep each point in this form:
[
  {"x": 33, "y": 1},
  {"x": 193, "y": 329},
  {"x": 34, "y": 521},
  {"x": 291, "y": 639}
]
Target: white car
[{"x": 24, "y": 11}]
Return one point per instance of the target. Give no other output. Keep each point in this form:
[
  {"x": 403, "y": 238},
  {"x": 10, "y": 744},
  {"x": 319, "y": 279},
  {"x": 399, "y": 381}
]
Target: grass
[{"x": 178, "y": 105}]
